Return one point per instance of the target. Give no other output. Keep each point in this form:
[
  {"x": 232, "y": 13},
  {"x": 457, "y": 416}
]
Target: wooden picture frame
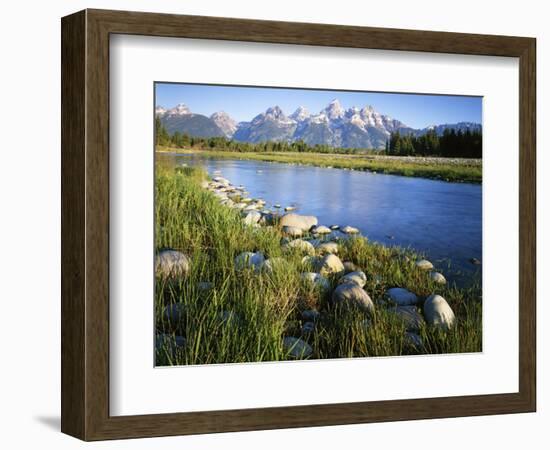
[{"x": 85, "y": 224}]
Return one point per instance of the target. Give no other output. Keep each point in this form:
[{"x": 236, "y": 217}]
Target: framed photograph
[{"x": 273, "y": 225}]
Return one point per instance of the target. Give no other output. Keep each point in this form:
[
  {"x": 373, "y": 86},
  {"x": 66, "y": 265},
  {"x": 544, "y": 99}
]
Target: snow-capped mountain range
[{"x": 334, "y": 126}]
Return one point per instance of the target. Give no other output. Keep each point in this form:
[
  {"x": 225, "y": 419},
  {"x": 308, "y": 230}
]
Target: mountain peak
[
  {"x": 225, "y": 122},
  {"x": 300, "y": 114},
  {"x": 180, "y": 109},
  {"x": 334, "y": 110}
]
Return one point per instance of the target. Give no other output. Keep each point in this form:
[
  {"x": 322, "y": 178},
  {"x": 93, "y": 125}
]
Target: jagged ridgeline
[{"x": 333, "y": 126}]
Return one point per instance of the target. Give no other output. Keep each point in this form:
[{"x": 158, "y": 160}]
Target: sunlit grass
[{"x": 246, "y": 315}]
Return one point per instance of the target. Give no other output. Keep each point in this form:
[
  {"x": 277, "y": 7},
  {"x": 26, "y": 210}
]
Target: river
[{"x": 443, "y": 220}]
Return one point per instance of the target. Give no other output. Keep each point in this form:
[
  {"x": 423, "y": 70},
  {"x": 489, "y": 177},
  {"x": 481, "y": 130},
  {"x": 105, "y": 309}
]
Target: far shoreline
[{"x": 457, "y": 170}]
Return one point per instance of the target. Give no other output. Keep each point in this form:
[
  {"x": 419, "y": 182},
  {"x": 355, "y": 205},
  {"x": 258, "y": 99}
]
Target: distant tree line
[{"x": 451, "y": 144}]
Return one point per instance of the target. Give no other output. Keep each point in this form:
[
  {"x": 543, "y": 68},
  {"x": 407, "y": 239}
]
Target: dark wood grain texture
[{"x": 85, "y": 224}]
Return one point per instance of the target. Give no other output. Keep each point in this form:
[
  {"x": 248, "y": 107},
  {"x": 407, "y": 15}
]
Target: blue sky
[{"x": 243, "y": 103}]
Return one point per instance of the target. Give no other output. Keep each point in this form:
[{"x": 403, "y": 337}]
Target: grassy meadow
[
  {"x": 447, "y": 169},
  {"x": 244, "y": 315}
]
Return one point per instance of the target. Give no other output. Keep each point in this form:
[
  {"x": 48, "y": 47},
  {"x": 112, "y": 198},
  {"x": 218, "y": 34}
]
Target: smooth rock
[
  {"x": 290, "y": 208},
  {"x": 311, "y": 315},
  {"x": 301, "y": 245},
  {"x": 310, "y": 261},
  {"x": 438, "y": 313},
  {"x": 409, "y": 315},
  {"x": 350, "y": 230},
  {"x": 327, "y": 247},
  {"x": 174, "y": 313},
  {"x": 401, "y": 296},
  {"x": 330, "y": 265},
  {"x": 297, "y": 348},
  {"x": 335, "y": 227},
  {"x": 413, "y": 341},
  {"x": 292, "y": 231},
  {"x": 317, "y": 280},
  {"x": 438, "y": 278},
  {"x": 475, "y": 261},
  {"x": 350, "y": 294},
  {"x": 249, "y": 260},
  {"x": 308, "y": 328},
  {"x": 296, "y": 220},
  {"x": 171, "y": 263},
  {"x": 358, "y": 277},
  {"x": 424, "y": 264},
  {"x": 252, "y": 217},
  {"x": 321, "y": 229}
]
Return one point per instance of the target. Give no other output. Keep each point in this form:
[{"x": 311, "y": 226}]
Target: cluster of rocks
[{"x": 324, "y": 270}]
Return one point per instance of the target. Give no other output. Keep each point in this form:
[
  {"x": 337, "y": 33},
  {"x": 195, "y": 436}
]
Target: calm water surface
[{"x": 437, "y": 218}]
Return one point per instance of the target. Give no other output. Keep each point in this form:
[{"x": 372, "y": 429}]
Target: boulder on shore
[
  {"x": 409, "y": 316},
  {"x": 327, "y": 247},
  {"x": 401, "y": 296},
  {"x": 351, "y": 294},
  {"x": 350, "y": 230},
  {"x": 171, "y": 263},
  {"x": 292, "y": 231},
  {"x": 301, "y": 245},
  {"x": 296, "y": 220},
  {"x": 317, "y": 280},
  {"x": 438, "y": 278},
  {"x": 321, "y": 229},
  {"x": 330, "y": 265},
  {"x": 358, "y": 277},
  {"x": 249, "y": 260},
  {"x": 438, "y": 313},
  {"x": 252, "y": 217},
  {"x": 424, "y": 264}
]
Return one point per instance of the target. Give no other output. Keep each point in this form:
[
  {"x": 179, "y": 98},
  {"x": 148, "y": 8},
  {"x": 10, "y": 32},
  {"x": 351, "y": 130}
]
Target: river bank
[
  {"x": 446, "y": 169},
  {"x": 248, "y": 291}
]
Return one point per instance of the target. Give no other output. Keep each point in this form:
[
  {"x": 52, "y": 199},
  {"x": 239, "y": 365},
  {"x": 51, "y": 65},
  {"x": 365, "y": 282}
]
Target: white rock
[
  {"x": 424, "y": 264},
  {"x": 438, "y": 313},
  {"x": 401, "y": 296},
  {"x": 327, "y": 247},
  {"x": 321, "y": 229},
  {"x": 330, "y": 265},
  {"x": 292, "y": 231},
  {"x": 296, "y": 220},
  {"x": 252, "y": 217},
  {"x": 438, "y": 278},
  {"x": 316, "y": 280},
  {"x": 300, "y": 244},
  {"x": 358, "y": 277},
  {"x": 171, "y": 263},
  {"x": 350, "y": 294},
  {"x": 297, "y": 348},
  {"x": 249, "y": 260},
  {"x": 350, "y": 230}
]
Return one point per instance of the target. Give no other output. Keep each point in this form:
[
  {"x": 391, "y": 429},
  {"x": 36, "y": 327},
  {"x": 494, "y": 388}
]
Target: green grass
[
  {"x": 455, "y": 170},
  {"x": 267, "y": 307}
]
